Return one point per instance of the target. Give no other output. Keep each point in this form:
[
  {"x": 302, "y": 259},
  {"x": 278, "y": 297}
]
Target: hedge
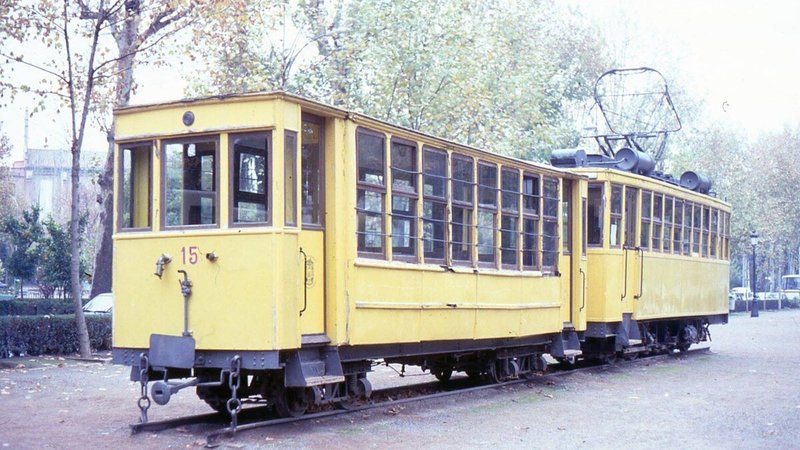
[
  {"x": 32, "y": 307},
  {"x": 53, "y": 335}
]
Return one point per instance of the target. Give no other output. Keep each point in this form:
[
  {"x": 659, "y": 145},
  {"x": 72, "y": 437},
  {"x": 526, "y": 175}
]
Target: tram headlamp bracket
[{"x": 162, "y": 261}]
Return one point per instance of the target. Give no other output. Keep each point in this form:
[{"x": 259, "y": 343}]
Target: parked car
[{"x": 100, "y": 304}]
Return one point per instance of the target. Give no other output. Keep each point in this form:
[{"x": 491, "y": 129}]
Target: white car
[{"x": 100, "y": 304}]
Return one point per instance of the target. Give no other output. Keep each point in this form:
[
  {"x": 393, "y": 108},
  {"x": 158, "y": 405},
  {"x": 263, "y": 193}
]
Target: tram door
[
  {"x": 312, "y": 234},
  {"x": 632, "y": 255}
]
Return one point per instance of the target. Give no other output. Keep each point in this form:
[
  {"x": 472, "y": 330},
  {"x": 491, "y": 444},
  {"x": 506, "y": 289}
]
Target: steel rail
[{"x": 212, "y": 439}]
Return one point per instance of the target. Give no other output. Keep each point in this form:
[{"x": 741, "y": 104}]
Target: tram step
[
  {"x": 571, "y": 353},
  {"x": 634, "y": 341}
]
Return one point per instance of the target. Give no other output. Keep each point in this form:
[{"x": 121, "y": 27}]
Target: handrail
[
  {"x": 625, "y": 275},
  {"x": 305, "y": 281},
  {"x": 583, "y": 303},
  {"x": 641, "y": 274}
]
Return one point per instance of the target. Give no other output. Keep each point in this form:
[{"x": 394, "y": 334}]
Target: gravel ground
[{"x": 743, "y": 393}]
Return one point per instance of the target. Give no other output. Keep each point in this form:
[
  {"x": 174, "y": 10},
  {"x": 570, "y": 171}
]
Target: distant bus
[{"x": 790, "y": 287}]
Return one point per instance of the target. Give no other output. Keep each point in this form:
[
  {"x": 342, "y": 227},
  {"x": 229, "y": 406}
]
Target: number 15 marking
[{"x": 192, "y": 253}]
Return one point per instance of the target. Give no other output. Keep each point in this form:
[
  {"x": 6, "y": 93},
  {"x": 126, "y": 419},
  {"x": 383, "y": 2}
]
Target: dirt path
[{"x": 741, "y": 394}]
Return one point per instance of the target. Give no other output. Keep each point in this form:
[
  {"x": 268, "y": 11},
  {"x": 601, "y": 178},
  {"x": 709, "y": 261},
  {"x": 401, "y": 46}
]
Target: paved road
[{"x": 743, "y": 393}]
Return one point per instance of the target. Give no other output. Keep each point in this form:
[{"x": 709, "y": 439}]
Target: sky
[{"x": 739, "y": 59}]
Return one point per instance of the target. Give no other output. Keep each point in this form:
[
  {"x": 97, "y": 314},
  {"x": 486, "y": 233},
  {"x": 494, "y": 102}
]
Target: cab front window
[{"x": 190, "y": 183}]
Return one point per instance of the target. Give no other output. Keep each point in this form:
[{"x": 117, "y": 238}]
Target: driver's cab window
[{"x": 190, "y": 182}]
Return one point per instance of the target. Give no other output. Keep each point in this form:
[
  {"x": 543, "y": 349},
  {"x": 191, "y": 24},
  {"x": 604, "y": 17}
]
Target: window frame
[
  {"x": 443, "y": 201},
  {"x": 121, "y": 147},
  {"x": 645, "y": 242},
  {"x": 601, "y": 209},
  {"x": 512, "y": 213},
  {"x": 533, "y": 215},
  {"x": 233, "y": 178},
  {"x": 365, "y": 186},
  {"x": 616, "y": 215},
  {"x": 551, "y": 219},
  {"x": 486, "y": 208},
  {"x": 317, "y": 120},
  {"x": 290, "y": 217},
  {"x": 192, "y": 139},
  {"x": 400, "y": 191},
  {"x": 461, "y": 204}
]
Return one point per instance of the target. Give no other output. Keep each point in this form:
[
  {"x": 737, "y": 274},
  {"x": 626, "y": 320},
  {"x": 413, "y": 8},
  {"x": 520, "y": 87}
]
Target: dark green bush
[
  {"x": 32, "y": 307},
  {"x": 53, "y": 335}
]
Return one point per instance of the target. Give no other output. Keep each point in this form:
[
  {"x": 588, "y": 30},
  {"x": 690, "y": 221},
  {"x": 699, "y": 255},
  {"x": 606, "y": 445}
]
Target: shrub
[
  {"x": 37, "y": 335},
  {"x": 32, "y": 307}
]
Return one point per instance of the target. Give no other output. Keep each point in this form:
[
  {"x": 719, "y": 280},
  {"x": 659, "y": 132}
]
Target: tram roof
[{"x": 323, "y": 108}]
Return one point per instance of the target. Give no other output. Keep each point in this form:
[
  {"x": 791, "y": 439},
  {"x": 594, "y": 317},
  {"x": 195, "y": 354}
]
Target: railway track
[{"x": 252, "y": 418}]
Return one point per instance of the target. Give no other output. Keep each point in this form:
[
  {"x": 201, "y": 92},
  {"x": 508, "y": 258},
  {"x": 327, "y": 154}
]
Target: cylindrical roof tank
[
  {"x": 571, "y": 157},
  {"x": 696, "y": 182},
  {"x": 634, "y": 161}
]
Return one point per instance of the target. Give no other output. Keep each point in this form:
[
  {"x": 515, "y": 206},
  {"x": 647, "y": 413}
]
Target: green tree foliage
[
  {"x": 504, "y": 76},
  {"x": 53, "y": 274},
  {"x": 25, "y": 238}
]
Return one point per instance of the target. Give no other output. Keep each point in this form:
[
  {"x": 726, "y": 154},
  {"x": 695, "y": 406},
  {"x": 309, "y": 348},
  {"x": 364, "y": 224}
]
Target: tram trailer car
[
  {"x": 658, "y": 262},
  {"x": 272, "y": 247}
]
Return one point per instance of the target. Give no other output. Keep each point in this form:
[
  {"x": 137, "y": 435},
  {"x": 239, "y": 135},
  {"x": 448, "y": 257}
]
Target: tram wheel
[{"x": 291, "y": 402}]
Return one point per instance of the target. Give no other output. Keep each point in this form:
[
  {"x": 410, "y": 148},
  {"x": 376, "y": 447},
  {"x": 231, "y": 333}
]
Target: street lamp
[{"x": 753, "y": 243}]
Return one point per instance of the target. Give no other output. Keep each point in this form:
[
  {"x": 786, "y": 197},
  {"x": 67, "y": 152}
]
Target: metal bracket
[{"x": 186, "y": 291}]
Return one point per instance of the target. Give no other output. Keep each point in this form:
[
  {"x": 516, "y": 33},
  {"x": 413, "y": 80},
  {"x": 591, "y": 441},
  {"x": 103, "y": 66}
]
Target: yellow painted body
[{"x": 251, "y": 297}]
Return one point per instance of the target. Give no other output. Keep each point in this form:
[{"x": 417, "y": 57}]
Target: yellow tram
[{"x": 271, "y": 246}]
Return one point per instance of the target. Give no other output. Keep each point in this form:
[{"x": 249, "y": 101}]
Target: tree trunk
[
  {"x": 101, "y": 277},
  {"x": 74, "y": 261}
]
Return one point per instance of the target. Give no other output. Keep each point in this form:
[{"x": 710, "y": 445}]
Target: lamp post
[{"x": 753, "y": 243}]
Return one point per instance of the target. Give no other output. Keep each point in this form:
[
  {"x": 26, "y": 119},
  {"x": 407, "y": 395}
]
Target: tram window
[
  {"x": 370, "y": 222},
  {"x": 647, "y": 204},
  {"x": 462, "y": 179},
  {"x": 487, "y": 185},
  {"x": 487, "y": 202},
  {"x": 370, "y": 158},
  {"x": 530, "y": 194},
  {"x": 706, "y": 227},
  {"x": 510, "y": 188},
  {"x": 510, "y": 243},
  {"x": 404, "y": 167},
  {"x": 509, "y": 221},
  {"x": 726, "y": 231},
  {"x": 668, "y": 205},
  {"x": 190, "y": 183},
  {"x": 631, "y": 215},
  {"x": 463, "y": 202},
  {"x": 714, "y": 227},
  {"x": 696, "y": 234},
  {"x": 434, "y": 167},
  {"x": 687, "y": 228},
  {"x": 462, "y": 232},
  {"x": 615, "y": 232},
  {"x": 551, "y": 199},
  {"x": 434, "y": 207},
  {"x": 658, "y": 215},
  {"x": 135, "y": 190},
  {"x": 677, "y": 235},
  {"x": 530, "y": 236},
  {"x": 290, "y": 178},
  {"x": 404, "y": 199},
  {"x": 370, "y": 193},
  {"x": 250, "y": 180},
  {"x": 312, "y": 143},
  {"x": 530, "y": 222},
  {"x": 595, "y": 218},
  {"x": 566, "y": 221}
]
